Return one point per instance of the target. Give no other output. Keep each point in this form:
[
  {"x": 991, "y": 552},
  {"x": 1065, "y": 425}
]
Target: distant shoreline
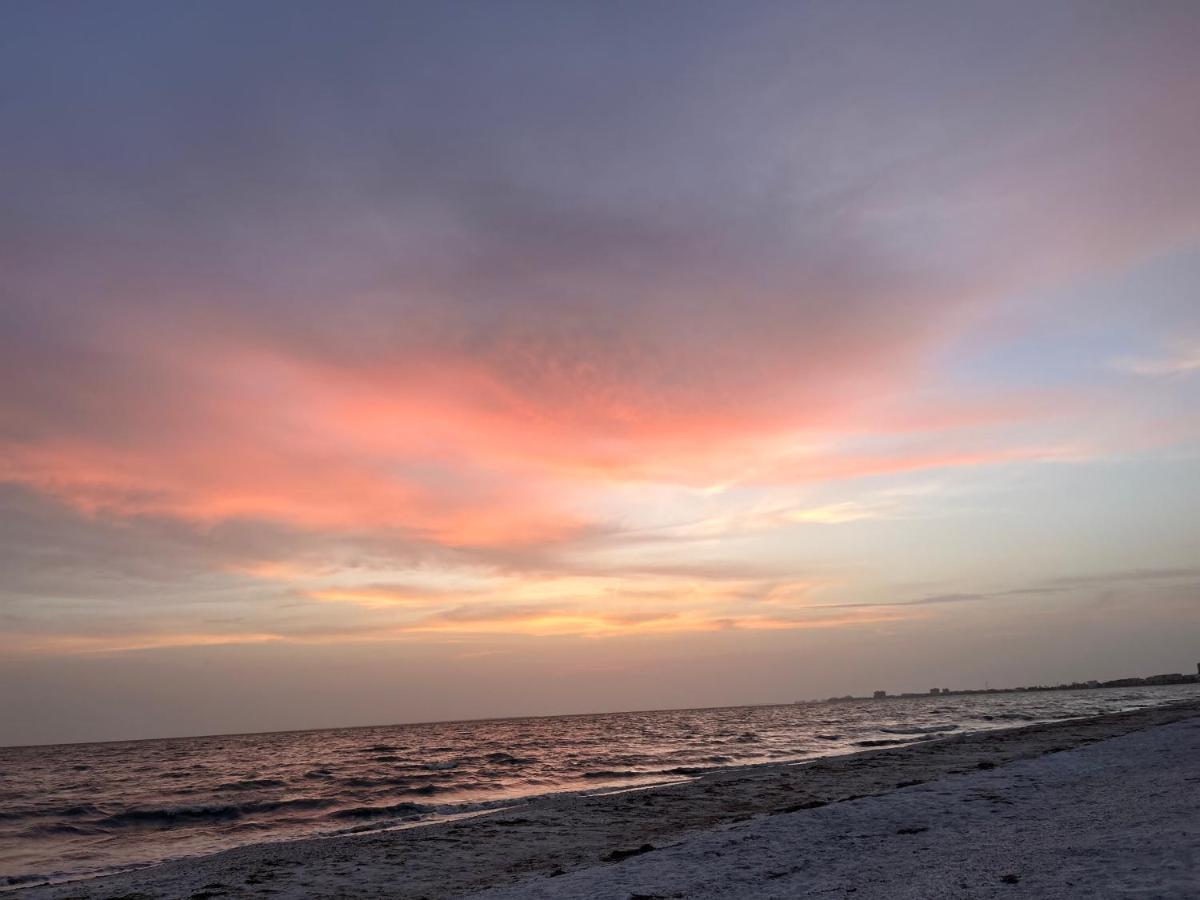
[
  {"x": 572, "y": 833},
  {"x": 1167, "y": 680}
]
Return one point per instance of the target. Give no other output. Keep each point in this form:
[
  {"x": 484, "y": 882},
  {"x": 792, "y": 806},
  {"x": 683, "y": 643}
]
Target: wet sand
[{"x": 1042, "y": 810}]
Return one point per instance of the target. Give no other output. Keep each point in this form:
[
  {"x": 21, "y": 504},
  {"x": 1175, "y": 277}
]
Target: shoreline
[{"x": 569, "y": 833}]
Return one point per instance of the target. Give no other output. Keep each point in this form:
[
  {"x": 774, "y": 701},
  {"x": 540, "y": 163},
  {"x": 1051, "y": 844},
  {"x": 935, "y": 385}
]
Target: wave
[
  {"x": 685, "y": 770},
  {"x": 510, "y": 760},
  {"x": 379, "y": 812},
  {"x": 886, "y": 743},
  {"x": 383, "y": 781},
  {"x": 616, "y": 774},
  {"x": 66, "y": 812},
  {"x": 1021, "y": 717},
  {"x": 919, "y": 729},
  {"x": 80, "y": 809},
  {"x": 58, "y": 828},
  {"x": 14, "y": 880},
  {"x": 167, "y": 816},
  {"x": 250, "y": 784}
]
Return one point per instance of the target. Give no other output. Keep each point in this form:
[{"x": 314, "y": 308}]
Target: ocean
[{"x": 75, "y": 810}]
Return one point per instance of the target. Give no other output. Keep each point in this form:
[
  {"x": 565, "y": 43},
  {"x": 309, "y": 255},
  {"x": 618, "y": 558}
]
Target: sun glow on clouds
[
  {"x": 514, "y": 519},
  {"x": 578, "y": 604},
  {"x": 35, "y": 644},
  {"x": 490, "y": 366}
]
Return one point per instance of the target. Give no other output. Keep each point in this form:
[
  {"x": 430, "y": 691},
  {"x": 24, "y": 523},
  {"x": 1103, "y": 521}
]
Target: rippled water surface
[{"x": 73, "y": 810}]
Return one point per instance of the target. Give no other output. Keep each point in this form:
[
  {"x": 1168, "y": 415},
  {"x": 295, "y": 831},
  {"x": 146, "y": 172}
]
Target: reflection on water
[{"x": 78, "y": 809}]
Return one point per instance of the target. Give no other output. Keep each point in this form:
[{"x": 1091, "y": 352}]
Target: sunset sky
[{"x": 364, "y": 363}]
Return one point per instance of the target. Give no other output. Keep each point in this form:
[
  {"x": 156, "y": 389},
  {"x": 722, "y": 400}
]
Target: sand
[{"x": 1107, "y": 806}]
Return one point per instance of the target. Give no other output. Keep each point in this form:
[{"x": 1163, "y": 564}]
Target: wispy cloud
[{"x": 1184, "y": 361}]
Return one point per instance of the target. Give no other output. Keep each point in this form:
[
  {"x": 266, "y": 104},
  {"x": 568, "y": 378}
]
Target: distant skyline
[{"x": 389, "y": 362}]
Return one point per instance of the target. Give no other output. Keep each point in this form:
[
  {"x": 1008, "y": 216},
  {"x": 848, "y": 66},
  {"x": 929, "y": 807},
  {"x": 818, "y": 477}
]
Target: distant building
[
  {"x": 935, "y": 690},
  {"x": 1123, "y": 682},
  {"x": 879, "y": 695},
  {"x": 1171, "y": 678}
]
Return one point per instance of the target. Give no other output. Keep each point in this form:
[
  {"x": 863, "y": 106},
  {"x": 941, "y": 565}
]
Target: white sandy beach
[{"x": 1107, "y": 806}]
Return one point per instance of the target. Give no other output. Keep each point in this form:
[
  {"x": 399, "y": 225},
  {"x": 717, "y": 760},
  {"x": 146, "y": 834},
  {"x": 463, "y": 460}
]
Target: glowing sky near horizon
[{"x": 372, "y": 362}]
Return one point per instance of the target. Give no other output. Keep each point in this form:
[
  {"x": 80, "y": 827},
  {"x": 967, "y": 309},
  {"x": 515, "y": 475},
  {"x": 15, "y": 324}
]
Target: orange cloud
[
  {"x": 552, "y": 622},
  {"x": 70, "y": 644},
  {"x": 380, "y": 596},
  {"x": 495, "y": 621},
  {"x": 442, "y": 449},
  {"x": 214, "y": 482}
]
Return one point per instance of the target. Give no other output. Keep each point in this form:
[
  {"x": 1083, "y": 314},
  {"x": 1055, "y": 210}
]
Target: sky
[{"x": 393, "y": 362}]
